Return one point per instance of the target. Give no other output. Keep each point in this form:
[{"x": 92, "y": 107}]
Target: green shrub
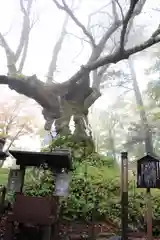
[
  {"x": 94, "y": 180},
  {"x": 3, "y": 176},
  {"x": 90, "y": 191},
  {"x": 95, "y": 187},
  {"x": 97, "y": 196},
  {"x": 39, "y": 184}
]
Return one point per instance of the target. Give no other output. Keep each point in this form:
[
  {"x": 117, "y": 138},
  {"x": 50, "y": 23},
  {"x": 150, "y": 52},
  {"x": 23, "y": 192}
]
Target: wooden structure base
[{"x": 38, "y": 211}]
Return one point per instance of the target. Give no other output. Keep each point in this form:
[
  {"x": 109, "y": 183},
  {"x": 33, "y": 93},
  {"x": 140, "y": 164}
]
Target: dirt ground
[{"x": 83, "y": 230}]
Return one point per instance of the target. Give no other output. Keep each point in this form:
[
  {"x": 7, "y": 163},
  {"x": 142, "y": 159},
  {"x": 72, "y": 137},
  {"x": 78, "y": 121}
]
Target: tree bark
[
  {"x": 143, "y": 116},
  {"x": 62, "y": 123}
]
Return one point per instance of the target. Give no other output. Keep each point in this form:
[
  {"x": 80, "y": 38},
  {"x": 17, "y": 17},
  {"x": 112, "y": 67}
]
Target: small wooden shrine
[{"x": 39, "y": 211}]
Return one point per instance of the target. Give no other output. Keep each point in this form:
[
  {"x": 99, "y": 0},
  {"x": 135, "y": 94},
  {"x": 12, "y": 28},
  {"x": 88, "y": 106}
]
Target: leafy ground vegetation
[
  {"x": 94, "y": 189},
  {"x": 3, "y": 176}
]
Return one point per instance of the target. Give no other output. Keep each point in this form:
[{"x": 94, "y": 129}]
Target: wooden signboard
[
  {"x": 62, "y": 181},
  {"x": 15, "y": 180},
  {"x": 148, "y": 172},
  {"x": 148, "y": 176}
]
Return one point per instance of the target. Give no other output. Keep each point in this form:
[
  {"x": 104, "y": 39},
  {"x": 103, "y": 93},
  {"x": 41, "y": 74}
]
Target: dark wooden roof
[
  {"x": 3, "y": 155},
  {"x": 2, "y": 140},
  {"x": 57, "y": 159},
  {"x": 149, "y": 157}
]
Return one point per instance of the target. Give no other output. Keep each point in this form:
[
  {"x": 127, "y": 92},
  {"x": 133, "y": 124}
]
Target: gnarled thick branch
[
  {"x": 45, "y": 93},
  {"x": 32, "y": 88}
]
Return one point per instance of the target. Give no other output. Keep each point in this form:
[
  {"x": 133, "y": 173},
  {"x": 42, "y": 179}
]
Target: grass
[{"x": 3, "y": 176}]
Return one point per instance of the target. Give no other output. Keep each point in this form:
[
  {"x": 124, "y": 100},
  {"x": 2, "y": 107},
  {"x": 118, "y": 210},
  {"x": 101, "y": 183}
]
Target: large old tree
[{"x": 76, "y": 95}]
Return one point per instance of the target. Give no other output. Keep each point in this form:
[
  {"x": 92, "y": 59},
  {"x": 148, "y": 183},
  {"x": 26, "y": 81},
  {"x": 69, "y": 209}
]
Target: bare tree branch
[
  {"x": 80, "y": 38},
  {"x": 114, "y": 10},
  {"x": 99, "y": 10},
  {"x": 121, "y": 10},
  {"x": 45, "y": 95},
  {"x": 116, "y": 57},
  {"x": 81, "y": 50},
  {"x": 98, "y": 75},
  {"x": 56, "y": 50},
  {"x": 94, "y": 13},
  {"x": 25, "y": 28},
  {"x": 157, "y": 32},
  {"x": 126, "y": 21},
  {"x": 101, "y": 45},
  {"x": 14, "y": 138},
  {"x": 97, "y": 50},
  {"x": 156, "y": 9},
  {"x": 24, "y": 55},
  {"x": 117, "y": 23},
  {"x": 4, "y": 44},
  {"x": 65, "y": 8},
  {"x": 12, "y": 57},
  {"x": 33, "y": 23},
  {"x": 120, "y": 84},
  {"x": 9, "y": 54},
  {"x": 11, "y": 119}
]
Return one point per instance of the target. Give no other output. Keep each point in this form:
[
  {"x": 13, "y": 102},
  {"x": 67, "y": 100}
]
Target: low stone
[{"x": 115, "y": 238}]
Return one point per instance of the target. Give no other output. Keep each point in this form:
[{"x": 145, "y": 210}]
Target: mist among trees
[{"x": 90, "y": 69}]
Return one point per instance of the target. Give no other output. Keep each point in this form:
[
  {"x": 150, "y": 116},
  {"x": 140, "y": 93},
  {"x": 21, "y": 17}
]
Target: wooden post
[
  {"x": 2, "y": 199},
  {"x": 22, "y": 168},
  {"x": 16, "y": 180},
  {"x": 2, "y": 143},
  {"x": 124, "y": 194},
  {"x": 149, "y": 214}
]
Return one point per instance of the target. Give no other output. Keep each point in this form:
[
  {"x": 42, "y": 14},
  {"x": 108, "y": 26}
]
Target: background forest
[{"x": 98, "y": 95}]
